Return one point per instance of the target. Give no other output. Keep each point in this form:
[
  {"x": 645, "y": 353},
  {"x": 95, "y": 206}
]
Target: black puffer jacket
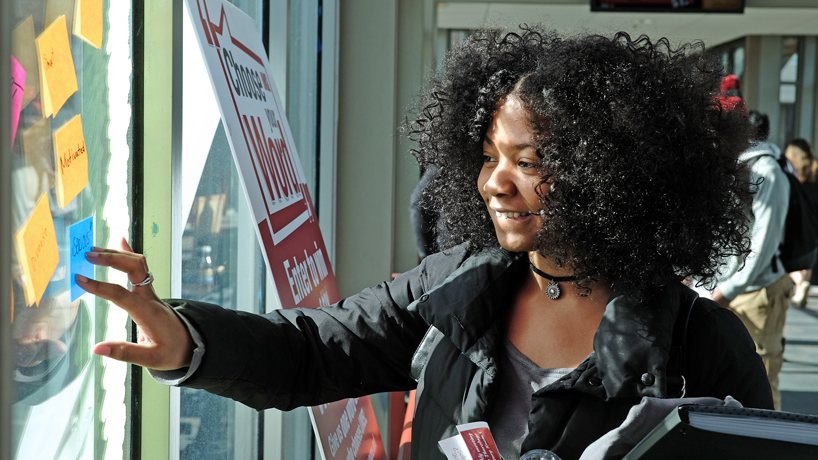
[{"x": 365, "y": 344}]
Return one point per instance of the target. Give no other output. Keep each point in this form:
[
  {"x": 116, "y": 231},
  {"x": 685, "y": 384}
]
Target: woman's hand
[{"x": 164, "y": 341}]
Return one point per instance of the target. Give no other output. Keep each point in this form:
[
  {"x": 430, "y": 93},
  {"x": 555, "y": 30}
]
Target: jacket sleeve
[
  {"x": 289, "y": 358},
  {"x": 722, "y": 359}
]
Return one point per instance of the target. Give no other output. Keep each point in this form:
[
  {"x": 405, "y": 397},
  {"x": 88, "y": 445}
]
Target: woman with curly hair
[
  {"x": 581, "y": 179},
  {"x": 800, "y": 154}
]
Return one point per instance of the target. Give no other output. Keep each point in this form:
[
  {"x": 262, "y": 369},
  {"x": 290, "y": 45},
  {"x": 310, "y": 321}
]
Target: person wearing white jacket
[{"x": 757, "y": 288}]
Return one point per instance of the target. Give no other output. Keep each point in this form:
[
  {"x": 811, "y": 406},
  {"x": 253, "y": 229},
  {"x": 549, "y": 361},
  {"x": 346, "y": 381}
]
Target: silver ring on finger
[{"x": 148, "y": 280}]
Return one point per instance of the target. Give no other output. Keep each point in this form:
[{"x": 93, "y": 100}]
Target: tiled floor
[{"x": 799, "y": 377}]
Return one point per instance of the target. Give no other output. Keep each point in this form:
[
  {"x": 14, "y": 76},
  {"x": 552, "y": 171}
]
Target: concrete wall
[
  {"x": 762, "y": 78},
  {"x": 366, "y": 103},
  {"x": 385, "y": 46}
]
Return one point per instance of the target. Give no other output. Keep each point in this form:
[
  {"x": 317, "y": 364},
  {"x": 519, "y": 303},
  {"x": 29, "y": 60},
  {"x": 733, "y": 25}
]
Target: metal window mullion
[
  {"x": 161, "y": 146},
  {"x": 328, "y": 125},
  {"x": 177, "y": 213},
  {"x": 6, "y": 344}
]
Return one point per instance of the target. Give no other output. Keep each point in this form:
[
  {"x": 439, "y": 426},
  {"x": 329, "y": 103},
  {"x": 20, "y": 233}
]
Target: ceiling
[{"x": 712, "y": 28}]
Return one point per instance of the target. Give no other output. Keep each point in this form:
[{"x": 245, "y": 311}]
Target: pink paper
[{"x": 18, "y": 82}]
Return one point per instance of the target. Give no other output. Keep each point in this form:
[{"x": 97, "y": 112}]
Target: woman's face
[
  {"x": 509, "y": 177},
  {"x": 798, "y": 158}
]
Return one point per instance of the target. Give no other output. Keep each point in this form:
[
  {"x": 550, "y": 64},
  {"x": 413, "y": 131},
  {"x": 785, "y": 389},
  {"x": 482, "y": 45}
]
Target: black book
[{"x": 710, "y": 432}]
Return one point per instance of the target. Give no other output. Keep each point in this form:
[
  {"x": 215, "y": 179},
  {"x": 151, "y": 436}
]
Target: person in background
[
  {"x": 424, "y": 220},
  {"x": 571, "y": 188},
  {"x": 799, "y": 153},
  {"x": 756, "y": 287},
  {"x": 730, "y": 97}
]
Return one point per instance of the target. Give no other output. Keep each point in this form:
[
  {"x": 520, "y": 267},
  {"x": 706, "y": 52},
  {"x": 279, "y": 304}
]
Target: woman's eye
[
  {"x": 526, "y": 165},
  {"x": 488, "y": 159}
]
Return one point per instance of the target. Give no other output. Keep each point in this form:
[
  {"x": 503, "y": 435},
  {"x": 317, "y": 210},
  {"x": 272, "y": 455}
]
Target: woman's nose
[{"x": 501, "y": 181}]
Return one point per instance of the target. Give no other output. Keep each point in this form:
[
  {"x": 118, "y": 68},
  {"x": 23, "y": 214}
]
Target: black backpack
[{"x": 799, "y": 249}]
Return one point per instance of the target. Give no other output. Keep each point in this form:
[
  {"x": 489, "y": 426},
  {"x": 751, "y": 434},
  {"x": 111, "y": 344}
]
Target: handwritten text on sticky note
[
  {"x": 37, "y": 251},
  {"x": 80, "y": 241},
  {"x": 58, "y": 78},
  {"x": 70, "y": 161},
  {"x": 18, "y": 84}
]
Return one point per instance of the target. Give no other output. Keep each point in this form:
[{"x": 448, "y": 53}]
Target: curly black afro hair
[{"x": 642, "y": 159}]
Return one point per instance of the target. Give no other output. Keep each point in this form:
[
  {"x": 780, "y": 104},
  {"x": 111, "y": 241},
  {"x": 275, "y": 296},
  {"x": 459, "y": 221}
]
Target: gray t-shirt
[{"x": 519, "y": 379}]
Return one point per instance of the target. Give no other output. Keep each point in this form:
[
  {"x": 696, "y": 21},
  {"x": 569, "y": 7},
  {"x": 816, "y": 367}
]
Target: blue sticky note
[{"x": 80, "y": 241}]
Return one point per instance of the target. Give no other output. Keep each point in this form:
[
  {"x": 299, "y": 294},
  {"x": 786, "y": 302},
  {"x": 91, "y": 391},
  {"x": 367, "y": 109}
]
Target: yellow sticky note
[
  {"x": 58, "y": 78},
  {"x": 24, "y": 50},
  {"x": 39, "y": 154},
  {"x": 37, "y": 251},
  {"x": 70, "y": 161},
  {"x": 88, "y": 21}
]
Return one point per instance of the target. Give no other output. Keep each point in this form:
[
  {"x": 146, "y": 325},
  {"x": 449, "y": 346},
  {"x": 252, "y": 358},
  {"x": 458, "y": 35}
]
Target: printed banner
[
  {"x": 276, "y": 189},
  {"x": 265, "y": 154}
]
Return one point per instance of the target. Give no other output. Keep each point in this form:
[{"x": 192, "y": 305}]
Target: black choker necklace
[{"x": 553, "y": 289}]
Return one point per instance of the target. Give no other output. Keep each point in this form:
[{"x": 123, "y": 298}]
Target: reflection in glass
[
  {"x": 69, "y": 404},
  {"x": 221, "y": 260},
  {"x": 738, "y": 63},
  {"x": 220, "y": 267}
]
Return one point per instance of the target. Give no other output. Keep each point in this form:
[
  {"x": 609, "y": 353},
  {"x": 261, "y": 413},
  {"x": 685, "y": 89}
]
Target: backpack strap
[{"x": 676, "y": 383}]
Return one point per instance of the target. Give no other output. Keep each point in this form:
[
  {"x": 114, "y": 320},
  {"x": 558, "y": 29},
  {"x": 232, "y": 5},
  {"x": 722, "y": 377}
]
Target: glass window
[
  {"x": 448, "y": 39},
  {"x": 788, "y": 88},
  {"x": 221, "y": 259},
  {"x": 303, "y": 89},
  {"x": 731, "y": 57},
  {"x": 71, "y": 163},
  {"x": 738, "y": 62}
]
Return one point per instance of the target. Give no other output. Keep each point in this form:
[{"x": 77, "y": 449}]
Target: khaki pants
[{"x": 764, "y": 313}]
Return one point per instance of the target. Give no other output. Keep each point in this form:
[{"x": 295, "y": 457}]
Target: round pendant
[{"x": 552, "y": 290}]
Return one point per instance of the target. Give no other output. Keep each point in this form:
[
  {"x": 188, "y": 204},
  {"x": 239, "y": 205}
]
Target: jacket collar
[
  {"x": 632, "y": 344},
  {"x": 465, "y": 309},
  {"x": 633, "y": 338}
]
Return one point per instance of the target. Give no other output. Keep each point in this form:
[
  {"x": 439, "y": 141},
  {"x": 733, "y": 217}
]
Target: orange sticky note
[
  {"x": 58, "y": 78},
  {"x": 37, "y": 251},
  {"x": 70, "y": 161},
  {"x": 88, "y": 21},
  {"x": 23, "y": 48}
]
